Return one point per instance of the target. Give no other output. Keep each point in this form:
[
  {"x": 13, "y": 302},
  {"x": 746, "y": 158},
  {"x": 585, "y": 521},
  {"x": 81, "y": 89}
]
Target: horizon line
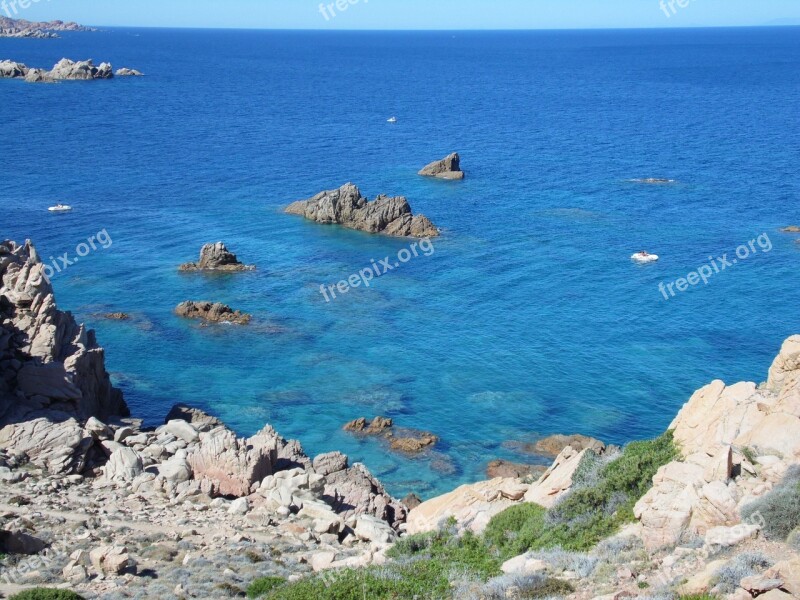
[{"x": 433, "y": 30}]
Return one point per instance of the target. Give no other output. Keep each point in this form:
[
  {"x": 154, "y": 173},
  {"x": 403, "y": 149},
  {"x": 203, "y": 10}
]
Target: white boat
[
  {"x": 60, "y": 208},
  {"x": 644, "y": 258},
  {"x": 392, "y": 120}
]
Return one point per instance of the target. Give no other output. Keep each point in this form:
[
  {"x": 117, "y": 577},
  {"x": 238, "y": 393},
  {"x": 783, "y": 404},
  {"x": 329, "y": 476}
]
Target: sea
[{"x": 525, "y": 318}]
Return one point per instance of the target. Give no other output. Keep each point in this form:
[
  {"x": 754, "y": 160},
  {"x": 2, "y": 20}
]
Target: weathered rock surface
[
  {"x": 12, "y": 70},
  {"x": 211, "y": 312},
  {"x": 447, "y": 168},
  {"x": 347, "y": 207},
  {"x": 471, "y": 505},
  {"x": 217, "y": 257},
  {"x": 54, "y": 373},
  {"x": 700, "y": 493},
  {"x": 20, "y": 28},
  {"x": 84, "y": 70}
]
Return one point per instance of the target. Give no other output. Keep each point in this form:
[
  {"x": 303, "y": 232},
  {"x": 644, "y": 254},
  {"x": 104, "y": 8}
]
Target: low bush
[
  {"x": 747, "y": 564},
  {"x": 46, "y": 594},
  {"x": 264, "y": 585},
  {"x": 794, "y": 539},
  {"x": 780, "y": 509},
  {"x": 602, "y": 498}
]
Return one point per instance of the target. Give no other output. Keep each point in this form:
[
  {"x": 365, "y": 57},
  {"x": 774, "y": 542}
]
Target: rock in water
[
  {"x": 217, "y": 257},
  {"x": 447, "y": 168},
  {"x": 124, "y": 72},
  {"x": 211, "y": 312},
  {"x": 347, "y": 207}
]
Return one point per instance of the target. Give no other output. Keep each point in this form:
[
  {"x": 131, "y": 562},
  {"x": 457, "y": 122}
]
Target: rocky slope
[
  {"x": 347, "y": 207},
  {"x": 111, "y": 500},
  {"x": 91, "y": 500}
]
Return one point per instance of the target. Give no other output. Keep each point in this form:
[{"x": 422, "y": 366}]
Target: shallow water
[{"x": 528, "y": 319}]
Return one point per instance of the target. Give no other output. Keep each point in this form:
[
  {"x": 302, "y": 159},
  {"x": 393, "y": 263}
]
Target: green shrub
[
  {"x": 264, "y": 585},
  {"x": 46, "y": 594},
  {"x": 794, "y": 539},
  {"x": 602, "y": 498},
  {"x": 700, "y": 597},
  {"x": 780, "y": 509}
]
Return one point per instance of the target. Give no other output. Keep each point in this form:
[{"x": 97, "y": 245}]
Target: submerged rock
[
  {"x": 347, "y": 207},
  {"x": 407, "y": 441},
  {"x": 652, "y": 181},
  {"x": 791, "y": 229},
  {"x": 554, "y": 444},
  {"x": 447, "y": 168},
  {"x": 211, "y": 312},
  {"x": 217, "y": 257},
  {"x": 506, "y": 469},
  {"x": 124, "y": 72}
]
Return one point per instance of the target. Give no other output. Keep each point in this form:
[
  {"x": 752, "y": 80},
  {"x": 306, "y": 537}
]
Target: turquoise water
[{"x": 528, "y": 319}]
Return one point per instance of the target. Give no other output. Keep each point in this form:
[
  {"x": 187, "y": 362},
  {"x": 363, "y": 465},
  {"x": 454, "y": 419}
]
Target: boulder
[
  {"x": 111, "y": 560},
  {"x": 333, "y": 462},
  {"x": 347, "y": 207},
  {"x": 124, "y": 465},
  {"x": 373, "y": 529},
  {"x": 414, "y": 443},
  {"x": 448, "y": 168},
  {"x": 217, "y": 257},
  {"x": 211, "y": 312},
  {"x": 557, "y": 480},
  {"x": 354, "y": 492},
  {"x": 471, "y": 505},
  {"x": 181, "y": 429},
  {"x": 377, "y": 426},
  {"x": 49, "y": 439},
  {"x": 230, "y": 466},
  {"x": 198, "y": 419}
]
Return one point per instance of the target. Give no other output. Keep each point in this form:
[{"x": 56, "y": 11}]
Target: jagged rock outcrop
[
  {"x": 716, "y": 431},
  {"x": 211, "y": 312},
  {"x": 447, "y": 168},
  {"x": 11, "y": 70},
  {"x": 347, "y": 207},
  {"x": 63, "y": 70},
  {"x": 54, "y": 375},
  {"x": 84, "y": 70},
  {"x": 217, "y": 257}
]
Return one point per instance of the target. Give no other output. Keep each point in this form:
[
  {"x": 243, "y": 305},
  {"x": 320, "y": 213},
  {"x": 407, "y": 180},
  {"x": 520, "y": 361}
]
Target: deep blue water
[{"x": 528, "y": 319}]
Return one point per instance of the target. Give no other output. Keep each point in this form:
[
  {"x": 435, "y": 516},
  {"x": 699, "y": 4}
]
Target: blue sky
[{"x": 413, "y": 14}]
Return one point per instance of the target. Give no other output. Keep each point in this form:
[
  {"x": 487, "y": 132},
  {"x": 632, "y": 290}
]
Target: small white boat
[
  {"x": 60, "y": 208},
  {"x": 644, "y": 258},
  {"x": 392, "y": 120}
]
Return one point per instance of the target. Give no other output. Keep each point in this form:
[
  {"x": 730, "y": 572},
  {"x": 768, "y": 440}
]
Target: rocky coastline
[
  {"x": 93, "y": 501},
  {"x": 20, "y": 28}
]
